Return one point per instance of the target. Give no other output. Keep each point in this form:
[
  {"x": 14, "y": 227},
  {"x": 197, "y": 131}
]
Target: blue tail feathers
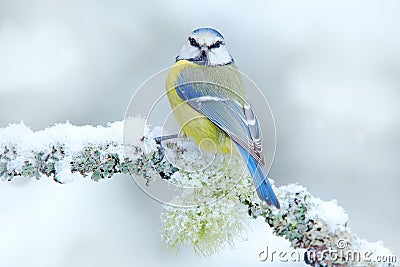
[{"x": 260, "y": 179}]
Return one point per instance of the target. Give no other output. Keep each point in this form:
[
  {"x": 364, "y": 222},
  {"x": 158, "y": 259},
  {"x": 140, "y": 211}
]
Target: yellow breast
[{"x": 194, "y": 124}]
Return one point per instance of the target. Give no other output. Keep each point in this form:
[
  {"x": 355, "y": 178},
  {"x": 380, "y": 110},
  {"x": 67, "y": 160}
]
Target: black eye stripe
[
  {"x": 216, "y": 44},
  {"x": 193, "y": 42}
]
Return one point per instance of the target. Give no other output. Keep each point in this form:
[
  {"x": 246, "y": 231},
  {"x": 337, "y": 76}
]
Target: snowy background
[{"x": 331, "y": 73}]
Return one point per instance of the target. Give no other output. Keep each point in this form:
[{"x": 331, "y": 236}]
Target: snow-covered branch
[
  {"x": 100, "y": 152},
  {"x": 63, "y": 149}
]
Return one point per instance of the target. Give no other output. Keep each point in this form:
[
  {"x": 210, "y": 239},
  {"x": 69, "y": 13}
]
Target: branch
[
  {"x": 64, "y": 149},
  {"x": 99, "y": 152}
]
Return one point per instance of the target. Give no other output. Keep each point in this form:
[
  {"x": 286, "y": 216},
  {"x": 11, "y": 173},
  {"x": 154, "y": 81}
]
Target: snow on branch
[
  {"x": 319, "y": 227},
  {"x": 63, "y": 149}
]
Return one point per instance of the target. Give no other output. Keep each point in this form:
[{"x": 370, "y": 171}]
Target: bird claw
[{"x": 160, "y": 148}]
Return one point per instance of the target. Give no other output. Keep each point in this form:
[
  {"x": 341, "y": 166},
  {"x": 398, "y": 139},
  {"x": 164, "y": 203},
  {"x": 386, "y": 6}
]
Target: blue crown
[{"x": 211, "y": 30}]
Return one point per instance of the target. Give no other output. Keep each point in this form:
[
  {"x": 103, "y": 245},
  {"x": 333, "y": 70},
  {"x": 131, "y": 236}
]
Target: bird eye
[
  {"x": 216, "y": 44},
  {"x": 193, "y": 42}
]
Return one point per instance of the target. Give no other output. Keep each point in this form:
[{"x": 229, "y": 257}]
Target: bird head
[{"x": 205, "y": 46}]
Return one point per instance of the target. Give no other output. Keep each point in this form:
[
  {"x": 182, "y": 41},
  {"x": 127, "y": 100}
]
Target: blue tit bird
[{"x": 208, "y": 99}]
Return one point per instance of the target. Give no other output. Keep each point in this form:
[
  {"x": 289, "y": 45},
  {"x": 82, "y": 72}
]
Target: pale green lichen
[
  {"x": 206, "y": 228},
  {"x": 97, "y": 161},
  {"x": 219, "y": 217}
]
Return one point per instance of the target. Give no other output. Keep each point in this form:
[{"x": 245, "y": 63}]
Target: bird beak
[{"x": 202, "y": 57}]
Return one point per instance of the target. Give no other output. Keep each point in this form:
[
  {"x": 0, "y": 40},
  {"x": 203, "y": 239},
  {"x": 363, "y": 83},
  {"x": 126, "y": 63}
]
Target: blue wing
[
  {"x": 233, "y": 115},
  {"x": 226, "y": 109}
]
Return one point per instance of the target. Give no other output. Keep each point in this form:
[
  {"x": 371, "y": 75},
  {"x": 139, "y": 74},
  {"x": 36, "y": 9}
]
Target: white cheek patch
[
  {"x": 188, "y": 52},
  {"x": 219, "y": 56}
]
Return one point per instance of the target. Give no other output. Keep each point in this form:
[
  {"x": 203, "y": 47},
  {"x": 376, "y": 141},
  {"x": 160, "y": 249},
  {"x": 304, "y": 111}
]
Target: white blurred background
[{"x": 331, "y": 73}]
